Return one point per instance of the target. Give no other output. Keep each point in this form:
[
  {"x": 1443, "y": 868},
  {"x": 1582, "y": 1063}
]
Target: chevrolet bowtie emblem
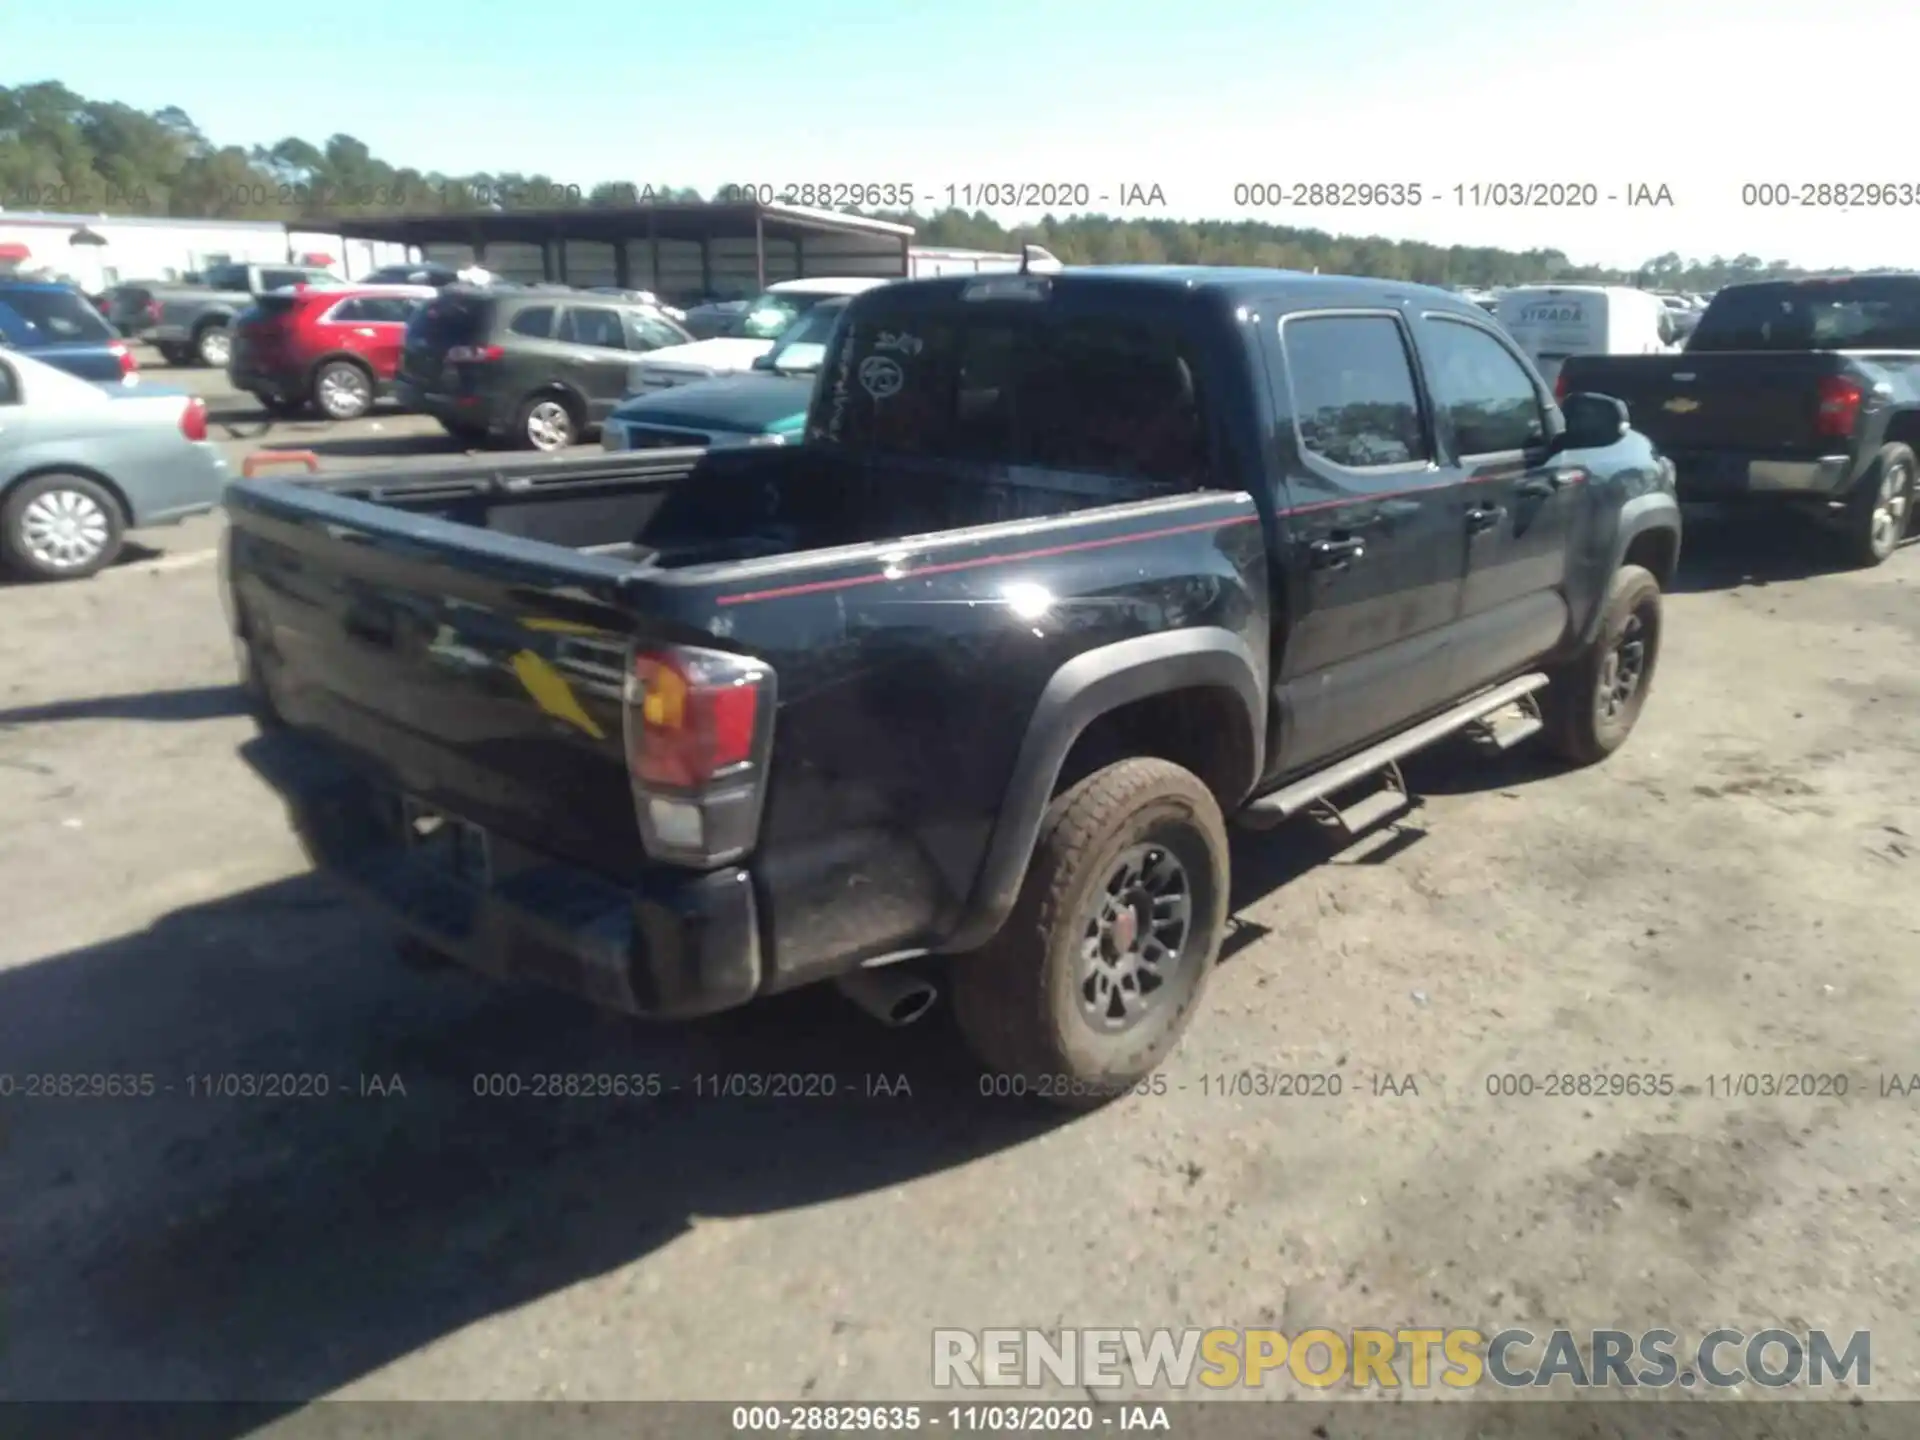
[{"x": 1682, "y": 406}]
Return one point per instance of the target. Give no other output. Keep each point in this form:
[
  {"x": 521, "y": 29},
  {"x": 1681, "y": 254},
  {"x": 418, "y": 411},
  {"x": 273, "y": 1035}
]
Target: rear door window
[
  {"x": 54, "y": 317},
  {"x": 591, "y": 325},
  {"x": 1355, "y": 404},
  {"x": 1090, "y": 394}
]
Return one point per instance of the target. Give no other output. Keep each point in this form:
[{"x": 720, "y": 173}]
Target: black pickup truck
[
  {"x": 959, "y": 692},
  {"x": 1802, "y": 393}
]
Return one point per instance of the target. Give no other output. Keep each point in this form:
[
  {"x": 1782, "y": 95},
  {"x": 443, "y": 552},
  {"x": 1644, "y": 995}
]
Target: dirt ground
[{"x": 1736, "y": 893}]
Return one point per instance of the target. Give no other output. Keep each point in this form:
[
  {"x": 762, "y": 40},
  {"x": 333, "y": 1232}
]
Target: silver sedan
[{"x": 82, "y": 464}]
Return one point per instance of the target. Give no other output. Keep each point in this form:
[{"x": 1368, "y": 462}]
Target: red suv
[{"x": 335, "y": 347}]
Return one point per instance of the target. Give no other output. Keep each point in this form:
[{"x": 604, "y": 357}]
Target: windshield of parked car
[
  {"x": 804, "y": 345},
  {"x": 1815, "y": 315},
  {"x": 768, "y": 316},
  {"x": 54, "y": 317}
]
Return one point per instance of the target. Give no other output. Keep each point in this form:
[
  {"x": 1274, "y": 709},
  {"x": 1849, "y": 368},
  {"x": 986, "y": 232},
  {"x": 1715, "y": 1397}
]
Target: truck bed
[{"x": 467, "y": 633}]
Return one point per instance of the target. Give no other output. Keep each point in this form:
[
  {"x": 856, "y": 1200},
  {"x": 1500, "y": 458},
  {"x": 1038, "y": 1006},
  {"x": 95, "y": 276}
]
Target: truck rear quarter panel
[{"x": 909, "y": 685}]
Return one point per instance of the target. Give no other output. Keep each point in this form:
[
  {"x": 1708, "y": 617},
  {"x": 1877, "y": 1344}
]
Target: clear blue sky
[{"x": 1192, "y": 96}]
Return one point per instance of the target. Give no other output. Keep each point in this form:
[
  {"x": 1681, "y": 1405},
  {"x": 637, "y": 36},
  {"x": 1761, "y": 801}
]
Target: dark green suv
[{"x": 539, "y": 366}]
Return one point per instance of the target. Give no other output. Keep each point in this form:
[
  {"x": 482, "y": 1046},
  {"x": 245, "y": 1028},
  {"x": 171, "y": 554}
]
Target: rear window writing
[{"x": 1094, "y": 395}]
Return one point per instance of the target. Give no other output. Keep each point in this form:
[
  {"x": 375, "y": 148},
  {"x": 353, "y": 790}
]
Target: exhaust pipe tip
[
  {"x": 891, "y": 996},
  {"x": 911, "y": 1006}
]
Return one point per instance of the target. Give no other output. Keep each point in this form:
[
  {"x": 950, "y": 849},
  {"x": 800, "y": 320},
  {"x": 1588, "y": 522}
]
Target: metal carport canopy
[{"x": 779, "y": 241}]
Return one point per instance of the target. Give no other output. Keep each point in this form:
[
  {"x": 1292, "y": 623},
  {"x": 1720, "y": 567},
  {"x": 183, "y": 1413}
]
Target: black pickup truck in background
[
  {"x": 1803, "y": 392},
  {"x": 960, "y": 692}
]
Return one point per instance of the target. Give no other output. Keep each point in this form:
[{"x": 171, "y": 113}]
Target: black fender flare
[
  {"x": 206, "y": 319},
  {"x": 1081, "y": 691},
  {"x": 1654, "y": 510}
]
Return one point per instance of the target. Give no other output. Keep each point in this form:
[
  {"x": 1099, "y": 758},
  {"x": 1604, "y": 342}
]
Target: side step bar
[{"x": 1303, "y": 795}]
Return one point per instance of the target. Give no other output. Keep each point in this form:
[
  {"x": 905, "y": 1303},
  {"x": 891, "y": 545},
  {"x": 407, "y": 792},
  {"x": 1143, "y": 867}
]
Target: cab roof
[{"x": 1231, "y": 285}]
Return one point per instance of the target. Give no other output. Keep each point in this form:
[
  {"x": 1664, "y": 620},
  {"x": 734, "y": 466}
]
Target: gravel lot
[{"x": 1736, "y": 892}]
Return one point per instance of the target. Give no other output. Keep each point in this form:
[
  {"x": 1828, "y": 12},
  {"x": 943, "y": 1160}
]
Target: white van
[{"x": 1552, "y": 322}]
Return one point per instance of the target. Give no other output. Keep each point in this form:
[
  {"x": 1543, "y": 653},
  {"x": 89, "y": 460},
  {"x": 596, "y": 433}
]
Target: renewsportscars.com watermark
[{"x": 1414, "y": 1359}]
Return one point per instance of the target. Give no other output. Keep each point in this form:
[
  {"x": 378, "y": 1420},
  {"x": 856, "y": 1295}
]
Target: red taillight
[
  {"x": 127, "y": 363},
  {"x": 193, "y": 419},
  {"x": 1560, "y": 387},
  {"x": 692, "y": 718},
  {"x": 1840, "y": 401},
  {"x": 473, "y": 354},
  {"x": 698, "y": 730},
  {"x": 153, "y": 311}
]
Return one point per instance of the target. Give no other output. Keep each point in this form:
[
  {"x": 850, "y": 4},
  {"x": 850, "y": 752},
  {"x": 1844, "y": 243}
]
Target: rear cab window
[
  {"x": 1864, "y": 314},
  {"x": 52, "y": 317},
  {"x": 1010, "y": 385}
]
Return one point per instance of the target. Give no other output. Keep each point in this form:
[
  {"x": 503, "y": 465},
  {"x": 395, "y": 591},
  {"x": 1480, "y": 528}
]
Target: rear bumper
[
  {"x": 678, "y": 945},
  {"x": 252, "y": 379},
  {"x": 1733, "y": 476}
]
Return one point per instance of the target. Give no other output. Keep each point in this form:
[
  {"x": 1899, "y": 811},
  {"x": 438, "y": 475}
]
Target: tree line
[{"x": 60, "y": 151}]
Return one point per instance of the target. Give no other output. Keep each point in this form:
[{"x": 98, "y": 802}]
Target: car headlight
[{"x": 768, "y": 440}]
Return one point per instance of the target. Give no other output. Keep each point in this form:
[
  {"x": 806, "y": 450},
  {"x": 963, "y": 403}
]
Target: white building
[{"x": 96, "y": 251}]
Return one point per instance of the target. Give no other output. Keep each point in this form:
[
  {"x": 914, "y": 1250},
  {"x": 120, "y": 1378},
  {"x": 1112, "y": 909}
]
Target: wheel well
[
  {"x": 339, "y": 357},
  {"x": 1655, "y": 551},
  {"x": 207, "y": 322},
  {"x": 119, "y": 495},
  {"x": 1904, "y": 429},
  {"x": 1202, "y": 729},
  {"x": 576, "y": 407}
]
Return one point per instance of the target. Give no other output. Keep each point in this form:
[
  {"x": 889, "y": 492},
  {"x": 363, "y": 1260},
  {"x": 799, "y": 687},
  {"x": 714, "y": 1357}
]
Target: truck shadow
[
  {"x": 204, "y": 702},
  {"x": 1726, "y": 550},
  {"x": 207, "y": 1239}
]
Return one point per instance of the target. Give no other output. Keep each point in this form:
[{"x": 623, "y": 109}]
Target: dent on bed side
[{"x": 1093, "y": 684}]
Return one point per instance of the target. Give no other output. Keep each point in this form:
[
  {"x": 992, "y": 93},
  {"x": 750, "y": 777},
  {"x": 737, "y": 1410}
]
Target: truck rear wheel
[
  {"x": 1594, "y": 700},
  {"x": 1881, "y": 509},
  {"x": 1099, "y": 968}
]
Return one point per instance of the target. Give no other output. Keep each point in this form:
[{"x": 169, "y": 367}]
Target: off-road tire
[
  {"x": 1871, "y": 535},
  {"x": 1017, "y": 999},
  {"x": 1578, "y": 725}
]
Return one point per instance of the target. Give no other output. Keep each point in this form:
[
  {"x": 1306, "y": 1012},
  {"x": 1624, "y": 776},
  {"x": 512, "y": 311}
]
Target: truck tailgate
[
  {"x": 1752, "y": 401},
  {"x": 480, "y": 674}
]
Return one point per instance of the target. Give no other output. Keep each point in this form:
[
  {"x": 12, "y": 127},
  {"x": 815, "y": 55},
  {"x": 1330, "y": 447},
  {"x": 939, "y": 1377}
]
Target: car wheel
[
  {"x": 546, "y": 423},
  {"x": 1882, "y": 508},
  {"x": 1095, "y": 975},
  {"x": 343, "y": 390},
  {"x": 60, "y": 527},
  {"x": 1593, "y": 702},
  {"x": 175, "y": 354},
  {"x": 214, "y": 346}
]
